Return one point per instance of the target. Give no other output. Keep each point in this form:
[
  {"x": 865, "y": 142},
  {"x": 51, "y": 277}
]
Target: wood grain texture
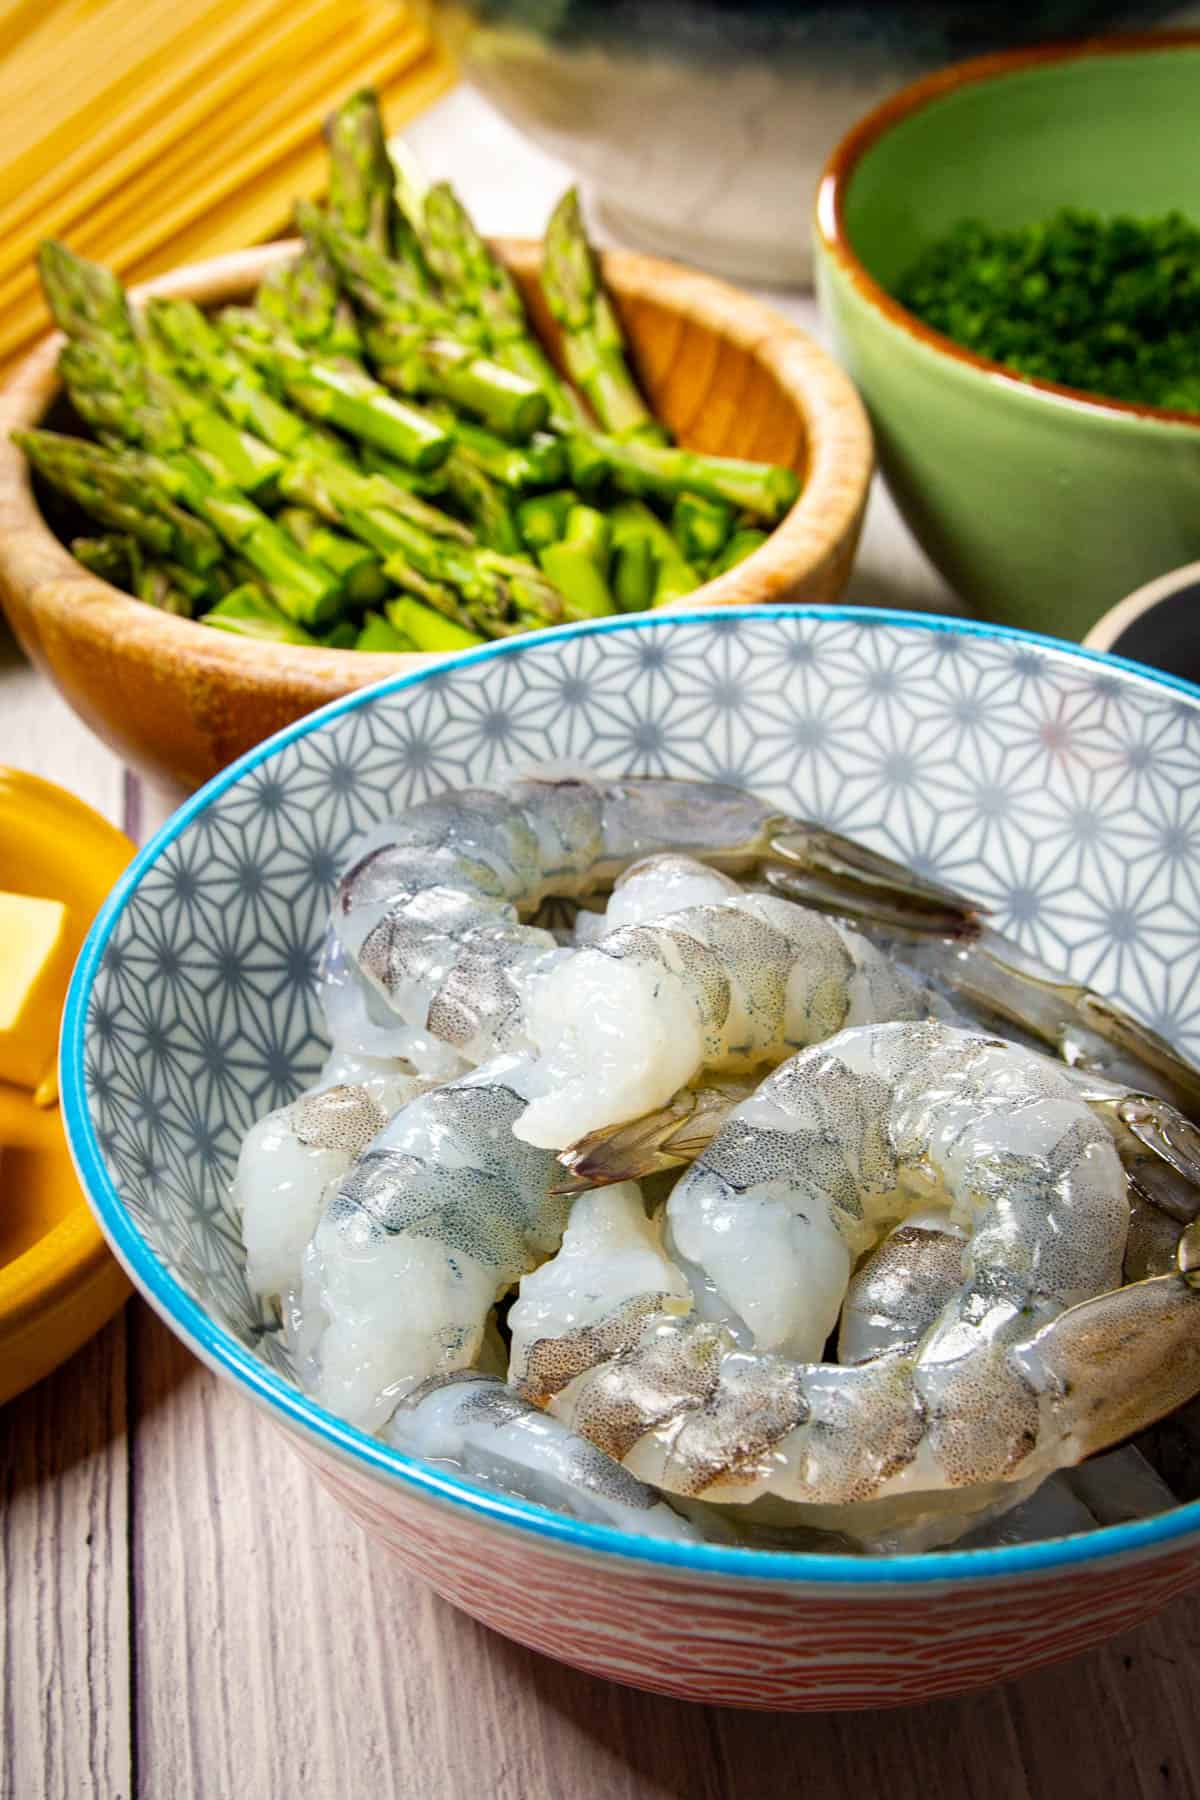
[
  {"x": 180, "y": 700},
  {"x": 64, "y": 1582},
  {"x": 279, "y": 1652}
]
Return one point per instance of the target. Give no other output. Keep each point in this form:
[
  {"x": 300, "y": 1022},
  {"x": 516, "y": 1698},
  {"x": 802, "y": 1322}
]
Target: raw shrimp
[
  {"x": 432, "y": 908},
  {"x": 727, "y": 985},
  {"x": 1159, "y": 1147},
  {"x": 838, "y": 1145},
  {"x": 289, "y": 1158},
  {"x": 1006, "y": 984},
  {"x": 442, "y": 1213},
  {"x": 361, "y": 1025},
  {"x": 477, "y": 1424},
  {"x": 899, "y": 1290}
]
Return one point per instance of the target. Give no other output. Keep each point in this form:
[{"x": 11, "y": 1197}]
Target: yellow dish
[{"x": 58, "y": 1282}]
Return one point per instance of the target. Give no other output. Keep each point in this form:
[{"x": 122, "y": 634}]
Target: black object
[{"x": 1166, "y": 635}]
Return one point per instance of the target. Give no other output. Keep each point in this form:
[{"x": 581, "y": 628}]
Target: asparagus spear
[
  {"x": 578, "y": 564},
  {"x": 87, "y": 302},
  {"x": 633, "y": 578},
  {"x": 470, "y": 272},
  {"x": 414, "y": 341},
  {"x": 380, "y": 634},
  {"x": 674, "y": 576},
  {"x": 125, "y": 488},
  {"x": 358, "y": 569},
  {"x": 203, "y": 357},
  {"x": 121, "y": 560},
  {"x": 303, "y": 299},
  {"x": 342, "y": 636},
  {"x": 249, "y": 613},
  {"x": 235, "y": 381},
  {"x": 360, "y": 173},
  {"x": 107, "y": 488},
  {"x": 764, "y": 490},
  {"x": 459, "y": 480},
  {"x": 338, "y": 393},
  {"x": 130, "y": 402},
  {"x": 118, "y": 385},
  {"x": 701, "y": 527},
  {"x": 499, "y": 590},
  {"x": 741, "y": 545},
  {"x": 539, "y": 463},
  {"x": 592, "y": 342},
  {"x": 543, "y": 518},
  {"x": 428, "y": 630}
]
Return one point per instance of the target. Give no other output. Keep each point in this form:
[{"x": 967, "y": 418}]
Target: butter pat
[{"x": 35, "y": 966}]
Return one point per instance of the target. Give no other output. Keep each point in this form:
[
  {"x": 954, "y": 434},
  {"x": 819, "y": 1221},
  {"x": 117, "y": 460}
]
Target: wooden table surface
[{"x": 186, "y": 1616}]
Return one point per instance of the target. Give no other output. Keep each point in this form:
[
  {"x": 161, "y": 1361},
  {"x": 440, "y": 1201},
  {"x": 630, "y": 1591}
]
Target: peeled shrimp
[
  {"x": 839, "y": 1145},
  {"x": 289, "y": 1158},
  {"x": 432, "y": 908},
  {"x": 727, "y": 985},
  {"x": 438, "y": 1217},
  {"x": 477, "y": 1423}
]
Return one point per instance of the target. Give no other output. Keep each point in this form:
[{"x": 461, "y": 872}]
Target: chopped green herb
[{"x": 1111, "y": 306}]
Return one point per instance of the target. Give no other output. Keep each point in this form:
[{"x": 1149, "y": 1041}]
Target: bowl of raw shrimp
[{"x": 686, "y": 1125}]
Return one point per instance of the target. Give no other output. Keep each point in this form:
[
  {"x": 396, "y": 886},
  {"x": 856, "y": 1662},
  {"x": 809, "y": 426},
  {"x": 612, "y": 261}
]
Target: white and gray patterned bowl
[{"x": 1060, "y": 787}]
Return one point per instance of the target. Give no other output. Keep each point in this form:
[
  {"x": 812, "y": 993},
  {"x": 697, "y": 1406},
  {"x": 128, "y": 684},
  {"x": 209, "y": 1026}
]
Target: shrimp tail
[
  {"x": 1114, "y": 1365},
  {"x": 669, "y": 1138},
  {"x": 1160, "y": 1150},
  {"x": 834, "y": 874},
  {"x": 1082, "y": 1027}
]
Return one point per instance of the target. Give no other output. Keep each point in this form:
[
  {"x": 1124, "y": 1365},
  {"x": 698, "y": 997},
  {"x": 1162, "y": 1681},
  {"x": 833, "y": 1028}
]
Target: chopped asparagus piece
[
  {"x": 428, "y": 630},
  {"x": 633, "y": 579},
  {"x": 701, "y": 526},
  {"x": 543, "y": 518},
  {"x": 674, "y": 575},
  {"x": 380, "y": 634},
  {"x": 249, "y": 613},
  {"x": 741, "y": 545}
]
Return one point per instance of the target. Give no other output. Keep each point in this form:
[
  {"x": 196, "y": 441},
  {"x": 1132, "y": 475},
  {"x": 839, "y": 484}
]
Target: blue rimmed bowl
[{"x": 1057, "y": 785}]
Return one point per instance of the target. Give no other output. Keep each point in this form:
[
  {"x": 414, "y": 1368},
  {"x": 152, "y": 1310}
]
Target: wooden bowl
[{"x": 180, "y": 700}]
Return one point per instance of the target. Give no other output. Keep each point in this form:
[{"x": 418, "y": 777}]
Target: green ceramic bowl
[{"x": 1040, "y": 505}]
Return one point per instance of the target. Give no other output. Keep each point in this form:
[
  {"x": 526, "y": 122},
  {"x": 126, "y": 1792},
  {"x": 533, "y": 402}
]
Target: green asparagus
[
  {"x": 741, "y": 545},
  {"x": 379, "y": 634},
  {"x": 360, "y": 174},
  {"x": 426, "y": 629},
  {"x": 701, "y": 526},
  {"x": 633, "y": 574},
  {"x": 478, "y": 280},
  {"x": 108, "y": 489},
  {"x": 578, "y": 564},
  {"x": 414, "y": 342},
  {"x": 121, "y": 561},
  {"x": 543, "y": 518},
  {"x": 352, "y": 562},
  {"x": 248, "y": 612},
  {"x": 764, "y": 490},
  {"x": 338, "y": 393},
  {"x": 304, "y": 403},
  {"x": 592, "y": 342},
  {"x": 674, "y": 576}
]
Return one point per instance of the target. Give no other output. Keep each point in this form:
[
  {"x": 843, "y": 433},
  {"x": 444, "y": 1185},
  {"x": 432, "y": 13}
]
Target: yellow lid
[{"x": 58, "y": 1283}]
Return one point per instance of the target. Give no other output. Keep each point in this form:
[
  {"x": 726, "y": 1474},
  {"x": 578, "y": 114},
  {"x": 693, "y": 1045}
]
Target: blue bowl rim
[{"x": 222, "y": 1351}]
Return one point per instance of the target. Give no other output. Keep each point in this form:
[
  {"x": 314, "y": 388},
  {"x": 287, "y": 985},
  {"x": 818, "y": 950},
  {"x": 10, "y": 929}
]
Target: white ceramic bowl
[{"x": 1042, "y": 779}]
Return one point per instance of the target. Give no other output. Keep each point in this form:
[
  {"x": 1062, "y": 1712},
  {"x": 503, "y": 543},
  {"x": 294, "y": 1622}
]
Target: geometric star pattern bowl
[{"x": 1061, "y": 788}]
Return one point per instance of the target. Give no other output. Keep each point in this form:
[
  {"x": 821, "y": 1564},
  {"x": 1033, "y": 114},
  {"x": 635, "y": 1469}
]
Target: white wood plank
[
  {"x": 64, "y": 1582},
  {"x": 40, "y": 733}
]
